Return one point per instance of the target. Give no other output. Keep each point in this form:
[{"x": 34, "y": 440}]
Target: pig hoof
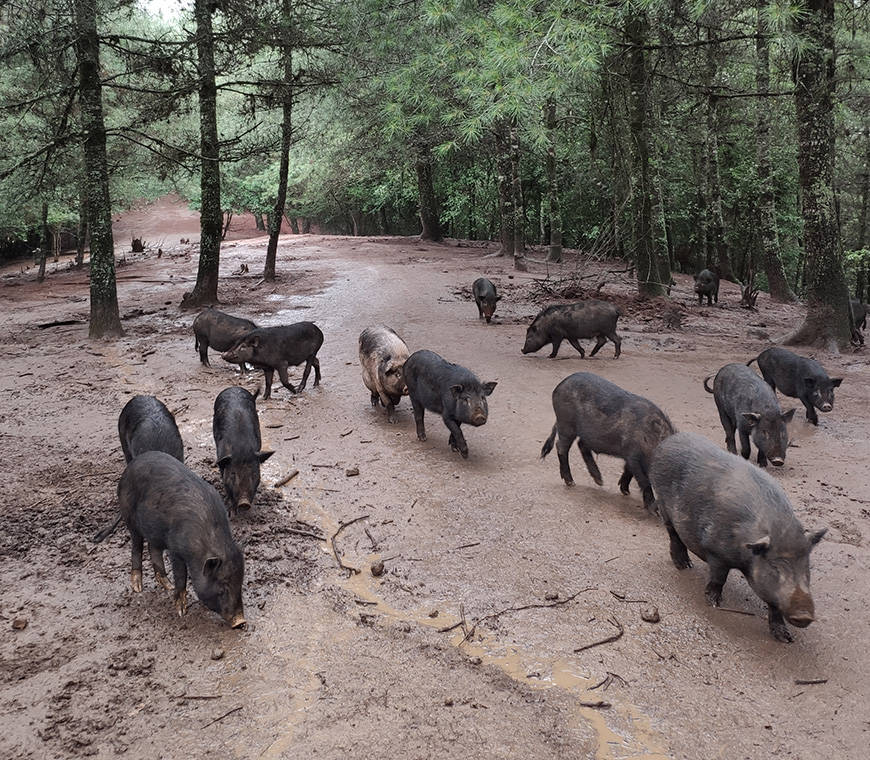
[
  {"x": 781, "y": 633},
  {"x": 421, "y": 436},
  {"x": 181, "y": 603},
  {"x": 681, "y": 562},
  {"x": 569, "y": 482},
  {"x": 163, "y": 581},
  {"x": 714, "y": 597},
  {"x": 598, "y": 481},
  {"x": 624, "y": 490},
  {"x": 136, "y": 581},
  {"x": 464, "y": 453}
]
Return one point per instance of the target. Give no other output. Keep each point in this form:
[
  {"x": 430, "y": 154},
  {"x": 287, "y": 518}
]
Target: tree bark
[
  {"x": 105, "y": 319},
  {"x": 649, "y": 282},
  {"x": 517, "y": 200},
  {"x": 82, "y": 236},
  {"x": 716, "y": 223},
  {"x": 431, "y": 226},
  {"x": 767, "y": 229},
  {"x": 829, "y": 318},
  {"x": 555, "y": 210},
  {"x": 44, "y": 244},
  {"x": 210, "y": 213},
  {"x": 505, "y": 197},
  {"x": 286, "y": 138},
  {"x": 258, "y": 221}
]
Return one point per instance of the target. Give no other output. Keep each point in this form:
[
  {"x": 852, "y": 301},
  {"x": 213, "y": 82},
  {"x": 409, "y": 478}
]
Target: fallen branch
[
  {"x": 372, "y": 539},
  {"x": 466, "y": 546},
  {"x": 285, "y": 480},
  {"x": 736, "y": 612},
  {"x": 599, "y": 705},
  {"x": 297, "y": 532},
  {"x": 809, "y": 681},
  {"x": 615, "y": 637},
  {"x": 221, "y": 717},
  {"x": 200, "y": 696},
  {"x": 536, "y": 606},
  {"x": 621, "y": 597},
  {"x": 341, "y": 527}
]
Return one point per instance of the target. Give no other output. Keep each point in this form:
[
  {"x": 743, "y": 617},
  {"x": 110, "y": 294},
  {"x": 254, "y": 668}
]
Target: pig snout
[
  {"x": 801, "y": 610},
  {"x": 826, "y": 407},
  {"x": 238, "y": 621},
  {"x": 777, "y": 461},
  {"x": 478, "y": 417},
  {"x": 244, "y": 504}
]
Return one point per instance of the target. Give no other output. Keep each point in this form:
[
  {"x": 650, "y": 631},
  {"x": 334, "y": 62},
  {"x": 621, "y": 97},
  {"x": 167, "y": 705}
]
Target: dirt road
[{"x": 335, "y": 666}]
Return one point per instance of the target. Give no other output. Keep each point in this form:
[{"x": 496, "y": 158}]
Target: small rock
[
  {"x": 217, "y": 654},
  {"x": 404, "y": 627},
  {"x": 351, "y": 471},
  {"x": 433, "y": 614},
  {"x": 377, "y": 569},
  {"x": 475, "y": 661},
  {"x": 551, "y": 596},
  {"x": 448, "y": 702},
  {"x": 19, "y": 624},
  {"x": 650, "y": 614}
]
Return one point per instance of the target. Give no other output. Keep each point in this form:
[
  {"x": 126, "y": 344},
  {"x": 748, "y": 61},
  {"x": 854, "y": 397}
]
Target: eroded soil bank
[{"x": 336, "y": 667}]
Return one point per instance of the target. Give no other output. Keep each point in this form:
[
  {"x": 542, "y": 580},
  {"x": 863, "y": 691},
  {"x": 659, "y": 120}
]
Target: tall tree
[
  {"x": 555, "y": 250},
  {"x": 429, "y": 219},
  {"x": 828, "y": 317},
  {"x": 105, "y": 319},
  {"x": 210, "y": 213}
]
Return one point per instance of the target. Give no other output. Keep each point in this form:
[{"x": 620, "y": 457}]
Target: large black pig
[
  {"x": 734, "y": 516},
  {"x": 448, "y": 389},
  {"x": 747, "y": 406},
  {"x": 145, "y": 424},
  {"x": 485, "y": 297},
  {"x": 798, "y": 377},
  {"x": 236, "y": 429},
  {"x": 587, "y": 319},
  {"x": 164, "y": 503},
  {"x": 277, "y": 348},
  {"x": 707, "y": 285},
  {"x": 605, "y": 419},
  {"x": 220, "y": 331}
]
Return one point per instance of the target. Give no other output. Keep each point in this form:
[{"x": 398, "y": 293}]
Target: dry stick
[
  {"x": 622, "y": 598},
  {"x": 292, "y": 437},
  {"x": 736, "y": 612},
  {"x": 200, "y": 696},
  {"x": 341, "y": 527},
  {"x": 615, "y": 637},
  {"x": 372, "y": 539},
  {"x": 599, "y": 705},
  {"x": 467, "y": 546},
  {"x": 292, "y": 474},
  {"x": 296, "y": 532},
  {"x": 494, "y": 615},
  {"x": 221, "y": 717},
  {"x": 809, "y": 681}
]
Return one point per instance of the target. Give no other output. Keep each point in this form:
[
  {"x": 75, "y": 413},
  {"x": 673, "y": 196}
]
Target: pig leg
[
  {"x": 812, "y": 417},
  {"x": 590, "y": 464},
  {"x": 617, "y": 341},
  {"x": 419, "y": 411},
  {"x": 777, "y": 625},
  {"x": 729, "y": 427},
  {"x": 457, "y": 440},
  {"x": 762, "y": 459},
  {"x": 308, "y": 365},
  {"x": 679, "y": 553},
  {"x": 285, "y": 381},
  {"x": 315, "y": 362},
  {"x": 576, "y": 344},
  {"x": 269, "y": 373},
  {"x": 203, "y": 350},
  {"x": 744, "y": 443},
  {"x": 716, "y": 580},
  {"x": 640, "y": 475},
  {"x": 600, "y": 340},
  {"x": 556, "y": 343},
  {"x": 242, "y": 368},
  {"x": 625, "y": 480},
  {"x": 156, "y": 554},
  {"x": 179, "y": 575},
  {"x": 375, "y": 399},
  {"x": 479, "y": 311},
  {"x": 563, "y": 446},
  {"x": 136, "y": 545}
]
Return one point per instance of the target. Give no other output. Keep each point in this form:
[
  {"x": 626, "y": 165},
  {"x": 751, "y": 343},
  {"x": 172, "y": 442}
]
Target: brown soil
[{"x": 338, "y": 667}]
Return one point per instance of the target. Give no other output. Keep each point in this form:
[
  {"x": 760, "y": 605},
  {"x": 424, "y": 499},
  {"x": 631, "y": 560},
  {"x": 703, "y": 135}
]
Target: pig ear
[
  {"x": 488, "y": 388},
  {"x": 760, "y": 546},
  {"x": 456, "y": 390},
  {"x": 786, "y": 416},
  {"x": 816, "y": 536},
  {"x": 752, "y": 418},
  {"x": 223, "y": 461},
  {"x": 264, "y": 455},
  {"x": 254, "y": 342},
  {"x": 810, "y": 382},
  {"x": 211, "y": 565},
  {"x": 835, "y": 382}
]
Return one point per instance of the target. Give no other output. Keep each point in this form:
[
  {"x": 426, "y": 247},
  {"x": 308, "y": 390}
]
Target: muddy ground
[{"x": 335, "y": 666}]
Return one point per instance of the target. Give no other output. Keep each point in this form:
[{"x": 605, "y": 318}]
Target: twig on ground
[
  {"x": 736, "y": 612},
  {"x": 599, "y": 705},
  {"x": 621, "y": 597},
  {"x": 615, "y": 637},
  {"x": 221, "y": 717},
  {"x": 341, "y": 527},
  {"x": 292, "y": 437},
  {"x": 286, "y": 479},
  {"x": 809, "y": 681},
  {"x": 372, "y": 539},
  {"x": 200, "y": 696},
  {"x": 466, "y": 546},
  {"x": 297, "y": 532}
]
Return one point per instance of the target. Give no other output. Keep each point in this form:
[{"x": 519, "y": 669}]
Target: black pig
[
  {"x": 734, "y": 516},
  {"x": 163, "y": 502},
  {"x": 748, "y": 406},
  {"x": 587, "y": 319},
  {"x": 605, "y": 419},
  {"x": 485, "y": 298},
  {"x": 859, "y": 313},
  {"x": 220, "y": 331},
  {"x": 798, "y": 377},
  {"x": 277, "y": 348},
  {"x": 145, "y": 424},
  {"x": 452, "y": 391},
  {"x": 236, "y": 428},
  {"x": 707, "y": 284}
]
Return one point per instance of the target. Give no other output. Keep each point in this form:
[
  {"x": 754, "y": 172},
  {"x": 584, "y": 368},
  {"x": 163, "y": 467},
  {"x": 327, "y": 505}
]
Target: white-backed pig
[
  {"x": 586, "y": 319},
  {"x": 382, "y": 356},
  {"x": 448, "y": 389},
  {"x": 734, "y": 516},
  {"x": 485, "y": 297},
  {"x": 145, "y": 424},
  {"x": 748, "y": 406},
  {"x": 605, "y": 419},
  {"x": 798, "y": 377}
]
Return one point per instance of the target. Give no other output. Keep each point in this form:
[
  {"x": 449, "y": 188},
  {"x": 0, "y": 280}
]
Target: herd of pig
[{"x": 717, "y": 505}]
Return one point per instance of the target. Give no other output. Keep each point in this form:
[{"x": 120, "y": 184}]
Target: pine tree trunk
[
  {"x": 44, "y": 244},
  {"x": 505, "y": 197},
  {"x": 861, "y": 242},
  {"x": 716, "y": 223},
  {"x": 431, "y": 226},
  {"x": 829, "y": 318},
  {"x": 286, "y": 138},
  {"x": 517, "y": 201},
  {"x": 210, "y": 214},
  {"x": 555, "y": 251},
  {"x": 767, "y": 229},
  {"x": 82, "y": 237},
  {"x": 105, "y": 319},
  {"x": 648, "y": 279}
]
